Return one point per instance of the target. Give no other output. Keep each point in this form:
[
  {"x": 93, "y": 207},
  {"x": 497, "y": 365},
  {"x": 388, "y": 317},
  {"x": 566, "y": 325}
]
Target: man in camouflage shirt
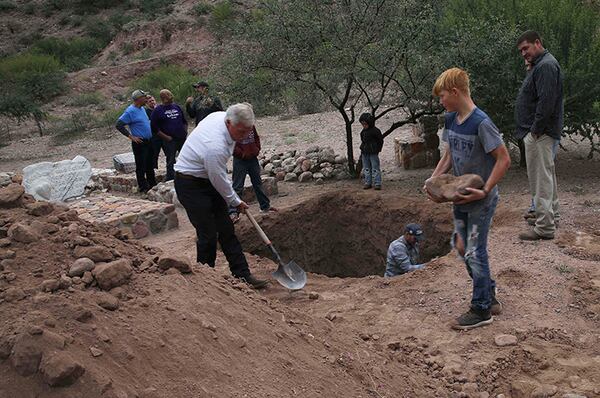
[{"x": 204, "y": 104}]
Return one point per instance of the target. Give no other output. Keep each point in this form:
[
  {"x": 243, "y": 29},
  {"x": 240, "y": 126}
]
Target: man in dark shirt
[
  {"x": 204, "y": 104},
  {"x": 539, "y": 119},
  {"x": 157, "y": 143}
]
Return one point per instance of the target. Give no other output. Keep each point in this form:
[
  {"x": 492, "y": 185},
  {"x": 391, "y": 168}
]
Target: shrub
[
  {"x": 74, "y": 54},
  {"x": 7, "y": 5},
  {"x": 172, "y": 77},
  {"x": 202, "y": 8},
  {"x": 73, "y": 128},
  {"x": 109, "y": 118},
  {"x": 220, "y": 16},
  {"x": 99, "y": 29},
  {"x": 155, "y": 8}
]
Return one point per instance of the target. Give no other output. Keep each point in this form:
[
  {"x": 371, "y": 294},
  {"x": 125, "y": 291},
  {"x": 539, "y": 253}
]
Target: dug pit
[{"x": 347, "y": 233}]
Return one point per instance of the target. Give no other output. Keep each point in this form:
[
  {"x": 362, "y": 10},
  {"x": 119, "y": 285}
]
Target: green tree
[
  {"x": 360, "y": 54},
  {"x": 29, "y": 82},
  {"x": 483, "y": 34}
]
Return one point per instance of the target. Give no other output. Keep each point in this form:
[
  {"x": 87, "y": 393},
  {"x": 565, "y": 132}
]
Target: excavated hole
[{"x": 347, "y": 234}]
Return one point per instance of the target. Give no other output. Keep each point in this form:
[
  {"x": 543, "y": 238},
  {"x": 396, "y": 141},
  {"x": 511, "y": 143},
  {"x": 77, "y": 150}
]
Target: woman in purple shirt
[{"x": 168, "y": 122}]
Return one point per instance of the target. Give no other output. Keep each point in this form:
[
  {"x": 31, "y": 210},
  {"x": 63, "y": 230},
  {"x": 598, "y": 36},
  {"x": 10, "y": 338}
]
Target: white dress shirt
[{"x": 205, "y": 154}]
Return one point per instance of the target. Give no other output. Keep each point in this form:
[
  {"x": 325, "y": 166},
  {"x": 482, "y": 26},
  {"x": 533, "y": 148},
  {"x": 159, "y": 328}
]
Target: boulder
[
  {"x": 14, "y": 294},
  {"x": 94, "y": 253},
  {"x": 6, "y": 178},
  {"x": 11, "y": 195},
  {"x": 107, "y": 301},
  {"x": 113, "y": 274},
  {"x": 124, "y": 162},
  {"x": 503, "y": 340},
  {"x": 50, "y": 285},
  {"x": 59, "y": 181},
  {"x": 59, "y": 369},
  {"x": 280, "y": 176},
  {"x": 312, "y": 149},
  {"x": 306, "y": 165},
  {"x": 446, "y": 187},
  {"x": 22, "y": 233},
  {"x": 40, "y": 208},
  {"x": 290, "y": 177},
  {"x": 179, "y": 263},
  {"x": 305, "y": 177}
]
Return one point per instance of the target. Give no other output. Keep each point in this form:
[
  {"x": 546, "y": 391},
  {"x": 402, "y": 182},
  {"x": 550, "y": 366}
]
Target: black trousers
[
  {"x": 144, "y": 169},
  {"x": 157, "y": 145},
  {"x": 171, "y": 149},
  {"x": 208, "y": 213}
]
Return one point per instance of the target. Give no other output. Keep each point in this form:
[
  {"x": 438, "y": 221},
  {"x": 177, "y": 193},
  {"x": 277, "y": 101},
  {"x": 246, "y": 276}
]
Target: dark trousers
[
  {"x": 243, "y": 167},
  {"x": 144, "y": 170},
  {"x": 207, "y": 212},
  {"x": 171, "y": 149},
  {"x": 157, "y": 145}
]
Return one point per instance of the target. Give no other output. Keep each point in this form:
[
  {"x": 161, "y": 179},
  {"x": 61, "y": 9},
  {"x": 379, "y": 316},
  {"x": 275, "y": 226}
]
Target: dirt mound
[
  {"x": 347, "y": 233},
  {"x": 89, "y": 314}
]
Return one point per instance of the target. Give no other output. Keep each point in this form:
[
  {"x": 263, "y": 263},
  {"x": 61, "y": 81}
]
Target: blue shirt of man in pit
[{"x": 403, "y": 253}]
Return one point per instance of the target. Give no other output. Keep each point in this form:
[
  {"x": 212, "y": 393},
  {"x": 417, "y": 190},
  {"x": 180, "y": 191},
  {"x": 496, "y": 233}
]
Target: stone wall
[
  {"x": 111, "y": 180},
  {"x": 135, "y": 218},
  {"x": 315, "y": 164},
  {"x": 422, "y": 149}
]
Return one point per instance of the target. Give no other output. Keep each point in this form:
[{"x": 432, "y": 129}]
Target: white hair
[{"x": 240, "y": 113}]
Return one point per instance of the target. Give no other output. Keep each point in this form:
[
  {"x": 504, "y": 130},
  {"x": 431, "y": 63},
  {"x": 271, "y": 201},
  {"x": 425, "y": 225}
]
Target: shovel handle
[{"x": 260, "y": 231}]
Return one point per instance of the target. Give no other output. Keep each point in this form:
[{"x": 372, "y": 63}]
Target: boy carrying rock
[{"x": 473, "y": 145}]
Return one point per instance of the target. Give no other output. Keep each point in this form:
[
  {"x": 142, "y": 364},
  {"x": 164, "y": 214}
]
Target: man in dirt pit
[
  {"x": 472, "y": 145},
  {"x": 206, "y": 193},
  {"x": 403, "y": 253}
]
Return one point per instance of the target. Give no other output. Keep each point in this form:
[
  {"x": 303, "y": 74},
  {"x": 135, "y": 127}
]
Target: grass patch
[
  {"x": 109, "y": 118},
  {"x": 202, "y": 8},
  {"x": 73, "y": 128},
  {"x": 74, "y": 54},
  {"x": 564, "y": 269},
  {"x": 86, "y": 99}
]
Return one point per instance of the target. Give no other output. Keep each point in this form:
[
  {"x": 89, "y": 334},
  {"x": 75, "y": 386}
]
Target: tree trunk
[
  {"x": 38, "y": 122},
  {"x": 349, "y": 149}
]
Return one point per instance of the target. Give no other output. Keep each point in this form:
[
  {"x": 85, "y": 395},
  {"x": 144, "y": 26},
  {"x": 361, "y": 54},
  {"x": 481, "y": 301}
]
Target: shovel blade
[{"x": 290, "y": 275}]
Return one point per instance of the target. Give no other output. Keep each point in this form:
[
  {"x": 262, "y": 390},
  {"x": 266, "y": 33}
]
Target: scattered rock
[
  {"x": 305, "y": 177},
  {"x": 503, "y": 340},
  {"x": 544, "y": 391},
  {"x": 87, "y": 277},
  {"x": 179, "y": 263},
  {"x": 207, "y": 325},
  {"x": 96, "y": 352},
  {"x": 313, "y": 295},
  {"x": 289, "y": 177},
  {"x": 59, "y": 369},
  {"x": 113, "y": 274},
  {"x": 94, "y": 253},
  {"x": 22, "y": 233},
  {"x": 50, "y": 285},
  {"x": 83, "y": 315},
  {"x": 80, "y": 266},
  {"x": 14, "y": 294},
  {"x": 11, "y": 196},
  {"x": 40, "y": 208},
  {"x": 65, "y": 282},
  {"x": 7, "y": 254},
  {"x": 107, "y": 301}
]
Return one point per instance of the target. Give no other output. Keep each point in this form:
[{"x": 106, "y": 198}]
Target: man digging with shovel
[{"x": 205, "y": 191}]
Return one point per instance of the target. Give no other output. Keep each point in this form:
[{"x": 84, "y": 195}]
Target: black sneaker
[
  {"x": 367, "y": 186},
  {"x": 254, "y": 282},
  {"x": 473, "y": 319}
]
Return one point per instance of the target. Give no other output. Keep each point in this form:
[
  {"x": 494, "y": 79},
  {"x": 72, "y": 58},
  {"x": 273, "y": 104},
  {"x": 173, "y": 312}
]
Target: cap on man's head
[
  {"x": 414, "y": 230},
  {"x": 138, "y": 94},
  {"x": 201, "y": 83}
]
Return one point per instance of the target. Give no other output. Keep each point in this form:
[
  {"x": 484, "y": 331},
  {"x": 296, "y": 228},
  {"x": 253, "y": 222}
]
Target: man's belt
[{"x": 189, "y": 177}]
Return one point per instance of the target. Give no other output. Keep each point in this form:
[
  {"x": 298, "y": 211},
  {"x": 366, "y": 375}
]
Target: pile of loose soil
[
  {"x": 347, "y": 234},
  {"x": 86, "y": 313}
]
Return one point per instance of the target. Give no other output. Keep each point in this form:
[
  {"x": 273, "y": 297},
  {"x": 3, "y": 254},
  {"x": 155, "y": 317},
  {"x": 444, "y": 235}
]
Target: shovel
[{"x": 289, "y": 275}]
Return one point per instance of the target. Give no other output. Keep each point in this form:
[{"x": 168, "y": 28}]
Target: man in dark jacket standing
[
  {"x": 245, "y": 162},
  {"x": 539, "y": 119},
  {"x": 204, "y": 104},
  {"x": 371, "y": 144}
]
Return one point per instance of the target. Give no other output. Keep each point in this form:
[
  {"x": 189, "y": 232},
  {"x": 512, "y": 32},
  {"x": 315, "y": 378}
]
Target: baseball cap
[
  {"x": 138, "y": 94},
  {"x": 201, "y": 83},
  {"x": 414, "y": 230}
]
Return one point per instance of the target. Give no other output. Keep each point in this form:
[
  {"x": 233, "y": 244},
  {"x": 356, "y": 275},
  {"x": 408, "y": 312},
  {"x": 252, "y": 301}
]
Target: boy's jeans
[
  {"x": 473, "y": 228},
  {"x": 243, "y": 167},
  {"x": 371, "y": 169}
]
